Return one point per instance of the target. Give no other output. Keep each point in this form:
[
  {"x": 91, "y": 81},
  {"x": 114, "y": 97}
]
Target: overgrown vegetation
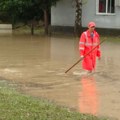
[{"x": 26, "y": 11}]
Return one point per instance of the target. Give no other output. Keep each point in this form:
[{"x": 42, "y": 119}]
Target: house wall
[
  {"x": 63, "y": 14},
  {"x": 102, "y": 21}
]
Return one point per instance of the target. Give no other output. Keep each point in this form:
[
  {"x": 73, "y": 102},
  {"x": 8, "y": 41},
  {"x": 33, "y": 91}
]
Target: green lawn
[{"x": 16, "y": 106}]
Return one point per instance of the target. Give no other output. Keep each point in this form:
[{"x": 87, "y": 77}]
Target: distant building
[{"x": 105, "y": 13}]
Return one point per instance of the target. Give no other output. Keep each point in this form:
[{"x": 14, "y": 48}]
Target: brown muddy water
[{"x": 37, "y": 64}]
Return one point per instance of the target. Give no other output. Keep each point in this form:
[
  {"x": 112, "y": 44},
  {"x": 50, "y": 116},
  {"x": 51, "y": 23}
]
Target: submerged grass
[
  {"x": 112, "y": 39},
  {"x": 16, "y": 106}
]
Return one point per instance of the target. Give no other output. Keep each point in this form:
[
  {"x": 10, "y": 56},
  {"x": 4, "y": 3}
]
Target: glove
[{"x": 82, "y": 56}]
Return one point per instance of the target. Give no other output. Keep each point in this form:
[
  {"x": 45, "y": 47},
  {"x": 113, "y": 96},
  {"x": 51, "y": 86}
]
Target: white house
[{"x": 105, "y": 13}]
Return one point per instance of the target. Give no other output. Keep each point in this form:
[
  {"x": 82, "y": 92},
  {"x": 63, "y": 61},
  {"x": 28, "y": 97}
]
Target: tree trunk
[
  {"x": 32, "y": 29},
  {"x": 46, "y": 21},
  {"x": 78, "y": 17},
  {"x": 32, "y": 26}
]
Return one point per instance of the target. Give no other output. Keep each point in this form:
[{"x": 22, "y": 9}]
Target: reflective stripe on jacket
[{"x": 86, "y": 44}]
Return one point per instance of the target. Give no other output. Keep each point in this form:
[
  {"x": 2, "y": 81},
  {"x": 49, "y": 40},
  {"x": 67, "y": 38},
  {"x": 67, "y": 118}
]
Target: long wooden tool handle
[{"x": 83, "y": 57}]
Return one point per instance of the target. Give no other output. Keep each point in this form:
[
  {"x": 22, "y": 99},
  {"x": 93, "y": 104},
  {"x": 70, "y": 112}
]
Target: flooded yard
[{"x": 38, "y": 64}]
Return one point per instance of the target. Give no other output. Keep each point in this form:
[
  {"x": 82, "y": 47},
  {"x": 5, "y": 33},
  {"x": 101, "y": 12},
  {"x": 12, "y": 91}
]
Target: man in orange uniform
[{"x": 88, "y": 40}]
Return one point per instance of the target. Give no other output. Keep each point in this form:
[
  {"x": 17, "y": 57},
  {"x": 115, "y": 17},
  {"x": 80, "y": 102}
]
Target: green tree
[
  {"x": 26, "y": 10},
  {"x": 9, "y": 9},
  {"x": 21, "y": 10},
  {"x": 46, "y": 6},
  {"x": 31, "y": 13}
]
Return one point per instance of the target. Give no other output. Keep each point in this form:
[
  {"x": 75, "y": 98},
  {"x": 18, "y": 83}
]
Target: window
[{"x": 106, "y": 6}]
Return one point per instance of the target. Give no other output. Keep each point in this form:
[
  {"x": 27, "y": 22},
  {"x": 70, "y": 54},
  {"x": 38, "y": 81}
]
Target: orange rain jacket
[{"x": 86, "y": 44}]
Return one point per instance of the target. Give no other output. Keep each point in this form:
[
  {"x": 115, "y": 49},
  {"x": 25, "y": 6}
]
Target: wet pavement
[{"x": 38, "y": 64}]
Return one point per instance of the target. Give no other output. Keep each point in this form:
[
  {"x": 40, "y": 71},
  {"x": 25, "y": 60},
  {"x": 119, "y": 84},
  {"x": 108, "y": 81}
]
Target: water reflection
[{"x": 88, "y": 96}]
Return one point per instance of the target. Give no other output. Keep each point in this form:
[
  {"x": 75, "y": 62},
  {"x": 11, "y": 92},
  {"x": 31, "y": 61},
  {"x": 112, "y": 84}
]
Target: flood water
[{"x": 38, "y": 64}]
